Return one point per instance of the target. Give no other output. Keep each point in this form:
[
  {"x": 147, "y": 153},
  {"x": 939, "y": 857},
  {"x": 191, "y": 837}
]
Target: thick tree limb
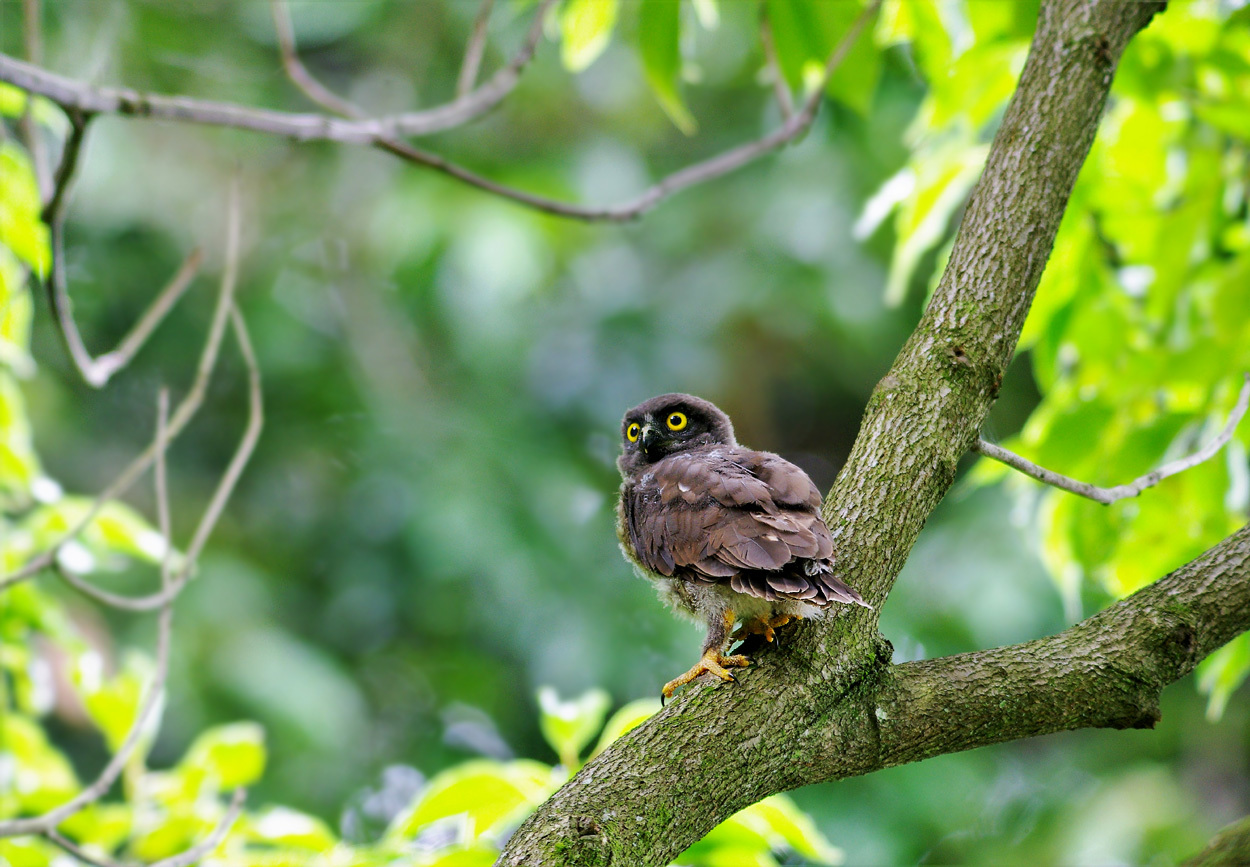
[
  {"x": 1229, "y": 848},
  {"x": 1107, "y": 496},
  {"x": 808, "y": 713}
]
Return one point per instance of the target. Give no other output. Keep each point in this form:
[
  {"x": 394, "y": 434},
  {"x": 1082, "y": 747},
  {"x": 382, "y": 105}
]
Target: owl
[{"x": 726, "y": 533}]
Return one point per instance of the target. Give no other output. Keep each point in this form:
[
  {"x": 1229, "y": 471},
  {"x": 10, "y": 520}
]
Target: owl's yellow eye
[
  {"x": 676, "y": 421},
  {"x": 632, "y": 432}
]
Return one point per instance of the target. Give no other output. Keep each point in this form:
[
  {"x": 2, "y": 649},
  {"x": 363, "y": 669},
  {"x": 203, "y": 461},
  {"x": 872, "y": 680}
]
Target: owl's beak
[{"x": 650, "y": 441}]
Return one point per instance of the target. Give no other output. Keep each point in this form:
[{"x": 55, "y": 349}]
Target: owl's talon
[{"x": 712, "y": 662}]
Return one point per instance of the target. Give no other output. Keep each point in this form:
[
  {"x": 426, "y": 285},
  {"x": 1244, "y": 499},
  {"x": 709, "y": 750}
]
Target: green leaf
[
  {"x": 13, "y": 104},
  {"x": 21, "y": 229},
  {"x": 487, "y": 793},
  {"x": 227, "y": 756},
  {"x": 786, "y": 822},
  {"x": 16, "y": 313},
  {"x": 943, "y": 178},
  {"x": 1222, "y": 672},
  {"x": 628, "y": 717},
  {"x": 659, "y": 42},
  {"x": 569, "y": 725},
  {"x": 19, "y": 466},
  {"x": 49, "y": 777},
  {"x": 282, "y": 826},
  {"x": 113, "y": 703},
  {"x": 805, "y": 33},
  {"x": 585, "y": 27},
  {"x": 116, "y": 530}
]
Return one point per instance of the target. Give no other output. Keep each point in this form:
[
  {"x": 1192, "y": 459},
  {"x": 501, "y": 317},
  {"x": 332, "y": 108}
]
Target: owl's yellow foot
[
  {"x": 712, "y": 662},
  {"x": 764, "y": 626}
]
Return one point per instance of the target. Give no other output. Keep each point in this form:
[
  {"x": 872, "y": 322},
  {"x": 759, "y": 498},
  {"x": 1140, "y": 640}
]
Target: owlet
[{"x": 725, "y": 532}]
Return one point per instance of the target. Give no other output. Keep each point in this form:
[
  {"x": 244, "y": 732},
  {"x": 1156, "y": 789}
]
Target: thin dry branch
[
  {"x": 781, "y": 89},
  {"x": 74, "y": 96},
  {"x": 474, "y": 50},
  {"x": 183, "y": 859},
  {"x": 1106, "y": 496},
  {"x": 103, "y": 782},
  {"x": 182, "y": 414},
  {"x": 384, "y": 133},
  {"x": 298, "y": 73},
  {"x": 171, "y": 586},
  {"x": 98, "y": 371},
  {"x": 701, "y": 172},
  {"x": 197, "y": 852},
  {"x": 27, "y": 127},
  {"x": 151, "y": 700}
]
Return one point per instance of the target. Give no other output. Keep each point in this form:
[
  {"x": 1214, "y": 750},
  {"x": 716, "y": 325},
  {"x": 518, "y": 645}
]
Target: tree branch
[
  {"x": 781, "y": 90},
  {"x": 1229, "y": 848},
  {"x": 298, "y": 73},
  {"x": 182, "y": 415},
  {"x": 183, "y": 859},
  {"x": 473, "y": 51},
  {"x": 807, "y": 713},
  {"x": 77, "y": 97},
  {"x": 98, "y": 371},
  {"x": 385, "y": 133},
  {"x": 1106, "y": 496}
]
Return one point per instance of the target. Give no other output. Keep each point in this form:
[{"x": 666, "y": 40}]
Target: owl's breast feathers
[{"x": 728, "y": 515}]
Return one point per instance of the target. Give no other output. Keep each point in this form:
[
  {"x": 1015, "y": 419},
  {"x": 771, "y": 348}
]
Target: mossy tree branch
[{"x": 829, "y": 705}]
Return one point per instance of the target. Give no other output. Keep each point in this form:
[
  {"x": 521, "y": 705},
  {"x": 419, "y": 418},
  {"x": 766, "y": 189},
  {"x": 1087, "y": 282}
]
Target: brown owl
[{"x": 726, "y": 533}]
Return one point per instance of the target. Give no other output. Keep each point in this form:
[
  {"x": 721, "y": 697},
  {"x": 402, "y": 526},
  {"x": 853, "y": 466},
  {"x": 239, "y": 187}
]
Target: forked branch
[
  {"x": 1106, "y": 496},
  {"x": 387, "y": 133},
  {"x": 182, "y": 414},
  {"x": 98, "y": 371}
]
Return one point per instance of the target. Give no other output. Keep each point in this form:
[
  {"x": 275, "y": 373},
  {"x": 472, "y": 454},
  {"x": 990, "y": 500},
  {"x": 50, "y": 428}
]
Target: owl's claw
[{"x": 712, "y": 662}]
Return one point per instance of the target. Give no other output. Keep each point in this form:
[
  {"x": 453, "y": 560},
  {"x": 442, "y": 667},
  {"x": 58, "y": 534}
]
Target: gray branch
[
  {"x": 1106, "y": 496},
  {"x": 386, "y": 134}
]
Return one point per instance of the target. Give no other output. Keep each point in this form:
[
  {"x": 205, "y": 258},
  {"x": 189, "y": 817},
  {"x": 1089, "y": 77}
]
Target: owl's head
[{"x": 667, "y": 424}]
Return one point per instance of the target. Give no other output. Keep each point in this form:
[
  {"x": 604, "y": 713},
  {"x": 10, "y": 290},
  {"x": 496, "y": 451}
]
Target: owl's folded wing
[{"x": 748, "y": 519}]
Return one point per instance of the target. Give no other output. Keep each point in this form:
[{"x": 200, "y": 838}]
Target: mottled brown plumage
[{"x": 725, "y": 531}]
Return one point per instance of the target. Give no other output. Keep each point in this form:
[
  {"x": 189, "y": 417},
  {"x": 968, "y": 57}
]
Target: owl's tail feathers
[
  {"x": 836, "y": 591},
  {"x": 831, "y": 589}
]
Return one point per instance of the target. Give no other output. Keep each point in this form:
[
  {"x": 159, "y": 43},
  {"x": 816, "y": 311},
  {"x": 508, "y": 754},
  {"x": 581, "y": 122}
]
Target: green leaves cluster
[
  {"x": 1139, "y": 335},
  {"x": 804, "y": 32}
]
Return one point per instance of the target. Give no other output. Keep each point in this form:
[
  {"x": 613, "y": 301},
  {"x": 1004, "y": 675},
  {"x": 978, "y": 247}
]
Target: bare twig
[
  {"x": 1106, "y": 496},
  {"x": 182, "y": 414},
  {"x": 182, "y": 859},
  {"x": 785, "y": 100},
  {"x": 242, "y": 454},
  {"x": 151, "y": 700},
  {"x": 381, "y": 133},
  {"x": 171, "y": 586},
  {"x": 98, "y": 371},
  {"x": 298, "y": 73},
  {"x": 102, "y": 783},
  {"x": 65, "y": 843},
  {"x": 474, "y": 50},
  {"x": 701, "y": 172},
  {"x": 28, "y": 128},
  {"x": 198, "y": 852}
]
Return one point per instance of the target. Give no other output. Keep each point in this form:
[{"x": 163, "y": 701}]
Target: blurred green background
[{"x": 425, "y": 535}]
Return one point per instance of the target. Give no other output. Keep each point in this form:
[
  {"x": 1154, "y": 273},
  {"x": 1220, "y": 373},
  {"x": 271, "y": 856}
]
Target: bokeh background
[{"x": 425, "y": 535}]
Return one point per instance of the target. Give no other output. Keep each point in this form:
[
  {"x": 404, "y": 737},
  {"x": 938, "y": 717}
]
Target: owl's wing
[{"x": 738, "y": 517}]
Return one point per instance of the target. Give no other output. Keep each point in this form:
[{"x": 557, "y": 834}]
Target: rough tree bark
[{"x": 829, "y": 705}]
